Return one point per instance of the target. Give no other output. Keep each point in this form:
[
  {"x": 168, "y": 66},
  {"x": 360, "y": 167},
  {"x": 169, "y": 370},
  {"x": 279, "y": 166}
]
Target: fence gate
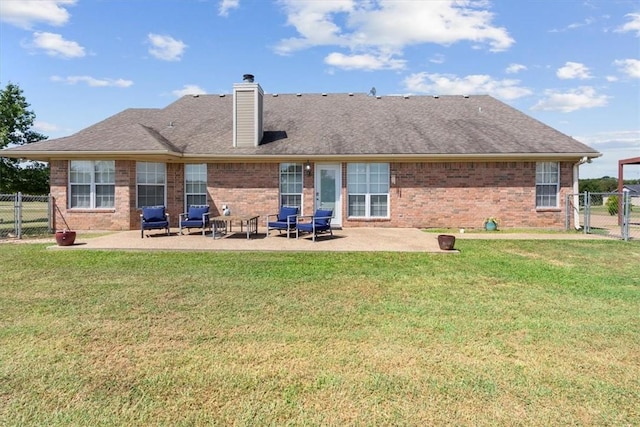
[
  {"x": 608, "y": 214},
  {"x": 22, "y": 215}
]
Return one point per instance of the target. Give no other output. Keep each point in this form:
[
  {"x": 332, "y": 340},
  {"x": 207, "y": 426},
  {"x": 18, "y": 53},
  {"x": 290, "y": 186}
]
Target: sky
[{"x": 572, "y": 64}]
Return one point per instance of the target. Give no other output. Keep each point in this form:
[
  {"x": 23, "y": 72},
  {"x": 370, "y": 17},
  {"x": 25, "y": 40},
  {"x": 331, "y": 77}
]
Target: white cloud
[
  {"x": 313, "y": 20},
  {"x": 166, "y": 48},
  {"x": 619, "y": 139},
  {"x": 445, "y": 84},
  {"x": 45, "y": 127},
  {"x": 613, "y": 145},
  {"x": 438, "y": 58},
  {"x": 515, "y": 68},
  {"x": 632, "y": 26},
  {"x": 189, "y": 90},
  {"x": 365, "y": 62},
  {"x": 93, "y": 82},
  {"x": 575, "y": 25},
  {"x": 573, "y": 70},
  {"x": 630, "y": 67},
  {"x": 55, "y": 45},
  {"x": 385, "y": 28},
  {"x": 26, "y": 13},
  {"x": 226, "y": 6},
  {"x": 576, "y": 99}
]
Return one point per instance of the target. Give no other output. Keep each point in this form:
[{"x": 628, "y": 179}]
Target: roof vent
[
  {"x": 436, "y": 96},
  {"x": 298, "y": 94},
  {"x": 196, "y": 95},
  {"x": 324, "y": 94},
  {"x": 350, "y": 93},
  {"x": 247, "y": 78},
  {"x": 406, "y": 96},
  {"x": 275, "y": 95},
  {"x": 222, "y": 95},
  {"x": 378, "y": 97},
  {"x": 465, "y": 96}
]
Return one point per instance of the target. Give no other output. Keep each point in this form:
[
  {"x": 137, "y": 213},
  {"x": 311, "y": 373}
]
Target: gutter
[{"x": 172, "y": 156}]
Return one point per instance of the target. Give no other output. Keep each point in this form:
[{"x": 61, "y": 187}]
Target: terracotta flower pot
[
  {"x": 446, "y": 242},
  {"x": 65, "y": 238}
]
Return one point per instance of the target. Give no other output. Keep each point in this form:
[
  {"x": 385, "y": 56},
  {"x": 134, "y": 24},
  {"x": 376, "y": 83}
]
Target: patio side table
[{"x": 224, "y": 223}]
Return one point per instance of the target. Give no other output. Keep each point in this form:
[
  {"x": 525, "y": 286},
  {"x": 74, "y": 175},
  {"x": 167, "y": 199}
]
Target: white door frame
[{"x": 334, "y": 169}]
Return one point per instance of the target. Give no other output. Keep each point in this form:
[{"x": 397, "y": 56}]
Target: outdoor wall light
[{"x": 307, "y": 168}]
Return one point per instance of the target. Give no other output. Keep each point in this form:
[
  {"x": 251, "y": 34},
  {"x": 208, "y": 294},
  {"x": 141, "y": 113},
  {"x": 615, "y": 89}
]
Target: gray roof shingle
[{"x": 322, "y": 125}]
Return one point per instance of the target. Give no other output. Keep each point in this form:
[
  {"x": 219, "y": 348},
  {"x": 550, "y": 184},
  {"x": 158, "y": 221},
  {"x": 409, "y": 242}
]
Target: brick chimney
[{"x": 247, "y": 113}]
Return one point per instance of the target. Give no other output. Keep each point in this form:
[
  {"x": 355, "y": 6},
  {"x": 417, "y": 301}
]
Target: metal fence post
[
  {"x": 587, "y": 214},
  {"x": 51, "y": 213},
  {"x": 18, "y": 215},
  {"x": 626, "y": 215}
]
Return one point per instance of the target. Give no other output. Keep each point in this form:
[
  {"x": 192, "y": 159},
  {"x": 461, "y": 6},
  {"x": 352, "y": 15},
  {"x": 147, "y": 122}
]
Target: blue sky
[{"x": 572, "y": 64}]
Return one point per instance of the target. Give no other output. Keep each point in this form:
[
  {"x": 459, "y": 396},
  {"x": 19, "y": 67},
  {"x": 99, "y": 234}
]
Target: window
[
  {"x": 195, "y": 184},
  {"x": 92, "y": 184},
  {"x": 291, "y": 185},
  {"x": 547, "y": 183},
  {"x": 368, "y": 190},
  {"x": 151, "y": 179}
]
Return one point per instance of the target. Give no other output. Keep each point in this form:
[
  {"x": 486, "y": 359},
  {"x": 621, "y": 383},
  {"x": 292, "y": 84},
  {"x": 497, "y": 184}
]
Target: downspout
[{"x": 576, "y": 191}]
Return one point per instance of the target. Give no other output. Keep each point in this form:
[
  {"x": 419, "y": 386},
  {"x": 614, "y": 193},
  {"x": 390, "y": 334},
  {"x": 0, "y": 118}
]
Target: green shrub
[{"x": 612, "y": 205}]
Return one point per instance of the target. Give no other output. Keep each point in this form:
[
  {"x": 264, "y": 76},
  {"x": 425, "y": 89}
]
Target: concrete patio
[{"x": 351, "y": 239}]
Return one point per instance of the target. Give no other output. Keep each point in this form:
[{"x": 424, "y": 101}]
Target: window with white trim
[
  {"x": 547, "y": 184},
  {"x": 368, "y": 190},
  {"x": 151, "y": 181},
  {"x": 291, "y": 185},
  {"x": 195, "y": 184},
  {"x": 92, "y": 184}
]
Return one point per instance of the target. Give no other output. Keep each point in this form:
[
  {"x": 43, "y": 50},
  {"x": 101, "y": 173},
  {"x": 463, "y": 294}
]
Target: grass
[
  {"x": 506, "y": 332},
  {"x": 35, "y": 217}
]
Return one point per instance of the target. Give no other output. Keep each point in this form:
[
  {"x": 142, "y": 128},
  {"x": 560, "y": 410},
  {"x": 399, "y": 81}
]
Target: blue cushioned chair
[
  {"x": 153, "y": 218},
  {"x": 196, "y": 217},
  {"x": 286, "y": 220},
  {"x": 320, "y": 222}
]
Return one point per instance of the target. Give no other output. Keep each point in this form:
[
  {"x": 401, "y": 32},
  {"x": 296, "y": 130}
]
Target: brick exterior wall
[{"x": 458, "y": 195}]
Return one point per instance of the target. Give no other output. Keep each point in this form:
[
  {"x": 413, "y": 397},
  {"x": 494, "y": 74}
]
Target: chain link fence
[
  {"x": 23, "y": 215},
  {"x": 608, "y": 214}
]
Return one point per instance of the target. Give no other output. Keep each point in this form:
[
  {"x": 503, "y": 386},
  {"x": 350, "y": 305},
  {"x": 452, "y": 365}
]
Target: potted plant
[
  {"x": 65, "y": 237},
  {"x": 446, "y": 242},
  {"x": 491, "y": 224}
]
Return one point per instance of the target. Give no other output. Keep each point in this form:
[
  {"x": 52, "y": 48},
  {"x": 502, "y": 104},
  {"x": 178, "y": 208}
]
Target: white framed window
[
  {"x": 151, "y": 179},
  {"x": 291, "y": 185},
  {"x": 195, "y": 184},
  {"x": 368, "y": 190},
  {"x": 92, "y": 184},
  {"x": 547, "y": 184}
]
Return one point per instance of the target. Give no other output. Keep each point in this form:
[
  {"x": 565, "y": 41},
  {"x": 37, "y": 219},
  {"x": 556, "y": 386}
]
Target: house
[
  {"x": 389, "y": 161},
  {"x": 634, "y": 193}
]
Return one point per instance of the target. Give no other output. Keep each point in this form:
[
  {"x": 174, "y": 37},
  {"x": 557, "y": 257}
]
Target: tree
[{"x": 16, "y": 121}]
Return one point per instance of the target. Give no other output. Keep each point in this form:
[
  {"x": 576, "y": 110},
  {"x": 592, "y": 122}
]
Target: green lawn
[
  {"x": 35, "y": 217},
  {"x": 505, "y": 333}
]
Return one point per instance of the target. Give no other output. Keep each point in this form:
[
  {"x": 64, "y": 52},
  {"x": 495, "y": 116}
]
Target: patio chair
[
  {"x": 153, "y": 218},
  {"x": 196, "y": 217},
  {"x": 320, "y": 222},
  {"x": 286, "y": 219}
]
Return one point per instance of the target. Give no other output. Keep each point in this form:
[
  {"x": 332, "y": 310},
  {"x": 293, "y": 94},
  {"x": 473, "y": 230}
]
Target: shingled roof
[{"x": 319, "y": 126}]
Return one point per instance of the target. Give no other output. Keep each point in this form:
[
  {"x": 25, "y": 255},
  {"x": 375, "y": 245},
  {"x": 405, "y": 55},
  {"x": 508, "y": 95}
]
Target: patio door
[{"x": 328, "y": 186}]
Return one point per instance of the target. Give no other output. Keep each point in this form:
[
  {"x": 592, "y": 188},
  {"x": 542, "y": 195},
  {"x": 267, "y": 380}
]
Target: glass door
[{"x": 328, "y": 185}]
